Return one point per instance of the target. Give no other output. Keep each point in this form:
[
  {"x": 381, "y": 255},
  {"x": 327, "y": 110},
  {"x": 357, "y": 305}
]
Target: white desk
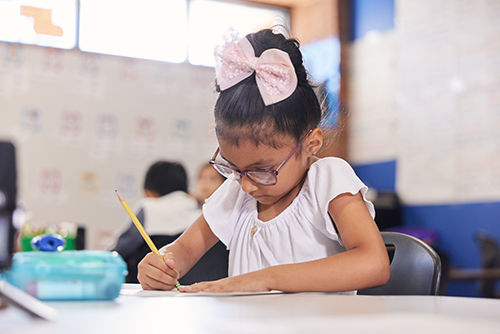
[{"x": 308, "y": 313}]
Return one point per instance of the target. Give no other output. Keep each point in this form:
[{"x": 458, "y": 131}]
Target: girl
[{"x": 292, "y": 222}]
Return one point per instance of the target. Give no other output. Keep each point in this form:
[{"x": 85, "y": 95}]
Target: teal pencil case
[{"x": 68, "y": 275}]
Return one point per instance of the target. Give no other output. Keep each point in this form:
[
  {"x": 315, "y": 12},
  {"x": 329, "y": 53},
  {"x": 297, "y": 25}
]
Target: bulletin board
[{"x": 86, "y": 124}]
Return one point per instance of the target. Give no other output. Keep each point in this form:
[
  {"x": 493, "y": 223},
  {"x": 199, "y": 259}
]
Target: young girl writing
[{"x": 292, "y": 222}]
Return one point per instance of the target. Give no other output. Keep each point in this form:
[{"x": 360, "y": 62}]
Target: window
[
  {"x": 39, "y": 22},
  {"x": 208, "y": 20},
  {"x": 149, "y": 29},
  {"x": 164, "y": 30}
]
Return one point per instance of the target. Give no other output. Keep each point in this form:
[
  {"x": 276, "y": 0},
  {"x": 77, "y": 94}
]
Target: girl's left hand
[{"x": 251, "y": 282}]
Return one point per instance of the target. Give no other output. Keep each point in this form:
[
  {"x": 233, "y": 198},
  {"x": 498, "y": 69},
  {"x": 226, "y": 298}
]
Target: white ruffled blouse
[{"x": 302, "y": 232}]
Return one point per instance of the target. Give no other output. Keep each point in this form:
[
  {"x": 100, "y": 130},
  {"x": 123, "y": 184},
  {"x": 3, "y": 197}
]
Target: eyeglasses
[{"x": 259, "y": 176}]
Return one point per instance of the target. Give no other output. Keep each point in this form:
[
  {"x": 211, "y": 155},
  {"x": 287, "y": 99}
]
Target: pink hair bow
[{"x": 274, "y": 71}]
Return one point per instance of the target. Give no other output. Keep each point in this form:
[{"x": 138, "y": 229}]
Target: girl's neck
[{"x": 268, "y": 212}]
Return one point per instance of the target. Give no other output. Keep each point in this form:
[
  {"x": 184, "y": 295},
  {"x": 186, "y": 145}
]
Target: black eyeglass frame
[{"x": 238, "y": 174}]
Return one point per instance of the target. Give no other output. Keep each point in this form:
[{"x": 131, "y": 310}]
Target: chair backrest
[
  {"x": 415, "y": 267},
  {"x": 212, "y": 266}
]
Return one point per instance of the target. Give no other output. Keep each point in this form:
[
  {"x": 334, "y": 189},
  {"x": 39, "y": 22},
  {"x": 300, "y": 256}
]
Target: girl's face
[{"x": 247, "y": 156}]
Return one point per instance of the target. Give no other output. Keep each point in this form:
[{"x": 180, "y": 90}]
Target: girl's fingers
[
  {"x": 154, "y": 273},
  {"x": 250, "y": 282},
  {"x": 233, "y": 284},
  {"x": 169, "y": 260},
  {"x": 153, "y": 284},
  {"x": 197, "y": 287}
]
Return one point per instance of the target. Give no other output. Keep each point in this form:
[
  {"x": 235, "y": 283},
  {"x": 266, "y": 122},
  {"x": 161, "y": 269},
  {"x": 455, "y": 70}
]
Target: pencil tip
[{"x": 119, "y": 196}]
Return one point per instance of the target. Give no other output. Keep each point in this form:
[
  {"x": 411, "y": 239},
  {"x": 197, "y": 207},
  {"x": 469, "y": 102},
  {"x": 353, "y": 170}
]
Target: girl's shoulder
[
  {"x": 331, "y": 166},
  {"x": 330, "y": 161},
  {"x": 331, "y": 176}
]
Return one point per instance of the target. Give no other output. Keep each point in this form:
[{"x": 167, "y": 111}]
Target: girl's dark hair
[
  {"x": 240, "y": 111},
  {"x": 164, "y": 177}
]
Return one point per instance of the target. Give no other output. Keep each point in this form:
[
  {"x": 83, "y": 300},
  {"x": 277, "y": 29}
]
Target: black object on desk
[
  {"x": 8, "y": 195},
  {"x": 8, "y": 198}
]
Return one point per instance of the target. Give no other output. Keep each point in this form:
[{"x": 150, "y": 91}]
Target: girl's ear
[{"x": 314, "y": 142}]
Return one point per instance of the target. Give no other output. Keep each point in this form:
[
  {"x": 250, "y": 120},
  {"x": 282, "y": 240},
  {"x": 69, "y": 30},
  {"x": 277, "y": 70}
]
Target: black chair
[
  {"x": 212, "y": 266},
  {"x": 415, "y": 267},
  {"x": 490, "y": 259}
]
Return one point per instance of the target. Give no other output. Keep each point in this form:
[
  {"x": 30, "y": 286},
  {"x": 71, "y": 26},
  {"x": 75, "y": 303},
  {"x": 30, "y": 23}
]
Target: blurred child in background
[
  {"x": 166, "y": 210},
  {"x": 208, "y": 181}
]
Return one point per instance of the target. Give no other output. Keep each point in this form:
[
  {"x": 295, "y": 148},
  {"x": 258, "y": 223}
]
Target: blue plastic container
[{"x": 68, "y": 275}]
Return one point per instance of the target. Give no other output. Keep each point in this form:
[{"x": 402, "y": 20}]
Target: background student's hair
[
  {"x": 164, "y": 177},
  {"x": 241, "y": 107}
]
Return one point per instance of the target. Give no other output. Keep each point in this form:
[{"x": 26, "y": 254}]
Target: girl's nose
[{"x": 247, "y": 185}]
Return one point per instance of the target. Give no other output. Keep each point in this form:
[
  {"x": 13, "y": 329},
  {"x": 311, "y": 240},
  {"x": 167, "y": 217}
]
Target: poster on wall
[{"x": 12, "y": 70}]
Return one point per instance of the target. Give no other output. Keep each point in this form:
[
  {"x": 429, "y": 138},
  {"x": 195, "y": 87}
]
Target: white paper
[{"x": 133, "y": 290}]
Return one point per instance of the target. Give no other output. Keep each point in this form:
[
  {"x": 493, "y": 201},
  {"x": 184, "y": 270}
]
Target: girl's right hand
[{"x": 156, "y": 273}]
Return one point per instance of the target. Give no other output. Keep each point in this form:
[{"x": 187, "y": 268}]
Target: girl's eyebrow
[
  {"x": 229, "y": 162},
  {"x": 257, "y": 163}
]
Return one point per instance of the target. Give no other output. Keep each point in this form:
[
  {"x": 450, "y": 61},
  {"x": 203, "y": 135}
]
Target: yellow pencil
[{"x": 141, "y": 229}]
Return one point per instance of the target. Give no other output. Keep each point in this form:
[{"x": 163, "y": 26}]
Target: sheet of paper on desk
[{"x": 175, "y": 293}]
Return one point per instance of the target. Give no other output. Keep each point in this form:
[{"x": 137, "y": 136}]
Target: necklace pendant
[{"x": 254, "y": 229}]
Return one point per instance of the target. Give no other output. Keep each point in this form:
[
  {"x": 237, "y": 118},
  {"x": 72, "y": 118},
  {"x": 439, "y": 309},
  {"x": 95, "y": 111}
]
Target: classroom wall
[
  {"x": 424, "y": 103},
  {"x": 87, "y": 124}
]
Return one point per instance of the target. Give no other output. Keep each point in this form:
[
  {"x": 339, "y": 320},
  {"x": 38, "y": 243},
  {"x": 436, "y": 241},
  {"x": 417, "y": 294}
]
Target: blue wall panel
[
  {"x": 455, "y": 225},
  {"x": 380, "y": 176}
]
